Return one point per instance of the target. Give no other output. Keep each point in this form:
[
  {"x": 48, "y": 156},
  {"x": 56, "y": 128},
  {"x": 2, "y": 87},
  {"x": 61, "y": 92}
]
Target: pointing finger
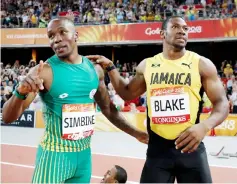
[
  {"x": 93, "y": 57},
  {"x": 40, "y": 68}
]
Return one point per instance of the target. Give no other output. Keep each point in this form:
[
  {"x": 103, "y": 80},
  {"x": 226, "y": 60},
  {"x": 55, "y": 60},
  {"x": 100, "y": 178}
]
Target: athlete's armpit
[
  {"x": 215, "y": 92},
  {"x": 137, "y": 86}
]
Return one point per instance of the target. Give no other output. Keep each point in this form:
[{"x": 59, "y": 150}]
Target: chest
[{"x": 73, "y": 84}]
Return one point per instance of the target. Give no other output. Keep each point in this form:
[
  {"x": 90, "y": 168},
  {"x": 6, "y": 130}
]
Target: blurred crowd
[
  {"x": 13, "y": 74},
  {"x": 228, "y": 74},
  {"x": 37, "y": 13}
]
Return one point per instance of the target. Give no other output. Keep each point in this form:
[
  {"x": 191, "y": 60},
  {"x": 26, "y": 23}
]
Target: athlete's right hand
[
  {"x": 32, "y": 82},
  {"x": 101, "y": 60}
]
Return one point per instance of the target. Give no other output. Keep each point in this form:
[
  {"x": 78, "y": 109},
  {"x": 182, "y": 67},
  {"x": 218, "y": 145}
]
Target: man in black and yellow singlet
[
  {"x": 174, "y": 82},
  {"x": 69, "y": 85}
]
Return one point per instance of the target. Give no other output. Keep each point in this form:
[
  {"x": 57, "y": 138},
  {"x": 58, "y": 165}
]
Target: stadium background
[{"x": 212, "y": 33}]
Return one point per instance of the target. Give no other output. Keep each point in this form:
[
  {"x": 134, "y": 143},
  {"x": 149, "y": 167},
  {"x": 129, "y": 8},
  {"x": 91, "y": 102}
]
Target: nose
[
  {"x": 57, "y": 38},
  {"x": 182, "y": 31}
]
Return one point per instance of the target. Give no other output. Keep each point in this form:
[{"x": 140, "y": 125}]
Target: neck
[
  {"x": 172, "y": 53},
  {"x": 73, "y": 58}
]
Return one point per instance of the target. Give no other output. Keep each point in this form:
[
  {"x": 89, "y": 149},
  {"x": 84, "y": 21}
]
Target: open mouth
[{"x": 60, "y": 49}]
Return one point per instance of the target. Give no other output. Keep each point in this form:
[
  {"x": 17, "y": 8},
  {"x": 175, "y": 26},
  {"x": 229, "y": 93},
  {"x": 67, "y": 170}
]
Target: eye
[
  {"x": 51, "y": 36},
  {"x": 63, "y": 32},
  {"x": 186, "y": 28}
]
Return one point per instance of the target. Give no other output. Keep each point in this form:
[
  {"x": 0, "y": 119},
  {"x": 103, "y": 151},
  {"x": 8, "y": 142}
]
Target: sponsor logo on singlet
[{"x": 92, "y": 93}]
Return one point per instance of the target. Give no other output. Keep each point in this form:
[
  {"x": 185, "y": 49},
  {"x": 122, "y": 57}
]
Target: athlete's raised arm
[
  {"x": 24, "y": 94},
  {"x": 127, "y": 91}
]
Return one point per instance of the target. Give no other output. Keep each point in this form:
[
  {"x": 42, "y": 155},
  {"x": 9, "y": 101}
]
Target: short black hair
[
  {"x": 121, "y": 174},
  {"x": 67, "y": 19},
  {"x": 165, "y": 22}
]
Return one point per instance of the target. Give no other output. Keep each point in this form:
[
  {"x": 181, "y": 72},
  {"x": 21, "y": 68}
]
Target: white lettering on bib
[
  {"x": 78, "y": 121},
  {"x": 170, "y": 105}
]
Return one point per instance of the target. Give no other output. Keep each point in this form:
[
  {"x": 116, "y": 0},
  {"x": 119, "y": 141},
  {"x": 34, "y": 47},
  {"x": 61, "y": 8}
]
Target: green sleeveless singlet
[{"x": 71, "y": 84}]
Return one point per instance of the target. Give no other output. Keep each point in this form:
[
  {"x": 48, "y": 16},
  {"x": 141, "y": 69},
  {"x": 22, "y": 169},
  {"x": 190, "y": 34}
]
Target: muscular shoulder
[
  {"x": 99, "y": 70},
  {"x": 141, "y": 67},
  {"x": 207, "y": 67}
]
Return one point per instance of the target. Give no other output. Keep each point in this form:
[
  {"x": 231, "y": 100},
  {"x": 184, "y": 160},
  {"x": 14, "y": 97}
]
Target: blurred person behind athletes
[
  {"x": 233, "y": 99},
  {"x": 228, "y": 71}
]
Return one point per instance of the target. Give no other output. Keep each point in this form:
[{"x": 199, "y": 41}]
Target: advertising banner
[
  {"x": 206, "y": 30},
  {"x": 27, "y": 119},
  {"x": 227, "y": 128}
]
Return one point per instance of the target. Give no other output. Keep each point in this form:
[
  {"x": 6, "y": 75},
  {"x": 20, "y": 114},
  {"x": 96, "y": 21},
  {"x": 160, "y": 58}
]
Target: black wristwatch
[{"x": 110, "y": 67}]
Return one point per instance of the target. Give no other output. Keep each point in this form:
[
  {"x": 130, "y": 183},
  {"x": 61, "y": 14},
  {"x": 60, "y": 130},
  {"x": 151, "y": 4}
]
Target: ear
[
  {"x": 162, "y": 34},
  {"x": 76, "y": 36}
]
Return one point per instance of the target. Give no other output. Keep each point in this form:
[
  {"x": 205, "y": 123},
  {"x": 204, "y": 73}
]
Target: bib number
[
  {"x": 170, "y": 106},
  {"x": 78, "y": 121}
]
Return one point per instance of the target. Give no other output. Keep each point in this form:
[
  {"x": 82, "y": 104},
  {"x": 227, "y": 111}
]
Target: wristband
[
  {"x": 18, "y": 95},
  {"x": 110, "y": 67}
]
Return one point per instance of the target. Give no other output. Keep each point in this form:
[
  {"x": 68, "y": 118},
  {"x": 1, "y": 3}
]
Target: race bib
[
  {"x": 78, "y": 121},
  {"x": 170, "y": 105}
]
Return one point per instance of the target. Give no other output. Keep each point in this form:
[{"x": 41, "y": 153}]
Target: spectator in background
[
  {"x": 118, "y": 66},
  {"x": 235, "y": 68},
  {"x": 118, "y": 102},
  {"x": 32, "y": 63},
  {"x": 25, "y": 20},
  {"x": 228, "y": 71},
  {"x": 229, "y": 84},
  {"x": 233, "y": 99},
  {"x": 44, "y": 20},
  {"x": 9, "y": 87},
  {"x": 207, "y": 105},
  {"x": 3, "y": 96},
  {"x": 111, "y": 91}
]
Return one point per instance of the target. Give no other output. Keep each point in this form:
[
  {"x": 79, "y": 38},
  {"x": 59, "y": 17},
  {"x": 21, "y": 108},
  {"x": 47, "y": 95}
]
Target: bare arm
[
  {"x": 133, "y": 89},
  {"x": 110, "y": 111},
  {"x": 215, "y": 92},
  {"x": 189, "y": 140},
  {"x": 14, "y": 107},
  {"x": 127, "y": 91}
]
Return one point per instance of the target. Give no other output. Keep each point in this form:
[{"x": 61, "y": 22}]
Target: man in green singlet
[{"x": 68, "y": 84}]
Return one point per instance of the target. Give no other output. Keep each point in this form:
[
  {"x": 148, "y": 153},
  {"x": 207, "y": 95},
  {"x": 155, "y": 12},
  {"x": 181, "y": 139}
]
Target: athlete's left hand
[
  {"x": 141, "y": 136},
  {"x": 190, "y": 139}
]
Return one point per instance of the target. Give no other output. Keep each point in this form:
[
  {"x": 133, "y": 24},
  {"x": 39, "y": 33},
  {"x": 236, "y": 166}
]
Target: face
[
  {"x": 109, "y": 176},
  {"x": 176, "y": 33},
  {"x": 62, "y": 37}
]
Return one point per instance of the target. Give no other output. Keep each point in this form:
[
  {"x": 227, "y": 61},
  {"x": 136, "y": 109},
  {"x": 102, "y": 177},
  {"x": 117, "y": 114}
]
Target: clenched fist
[{"x": 32, "y": 82}]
